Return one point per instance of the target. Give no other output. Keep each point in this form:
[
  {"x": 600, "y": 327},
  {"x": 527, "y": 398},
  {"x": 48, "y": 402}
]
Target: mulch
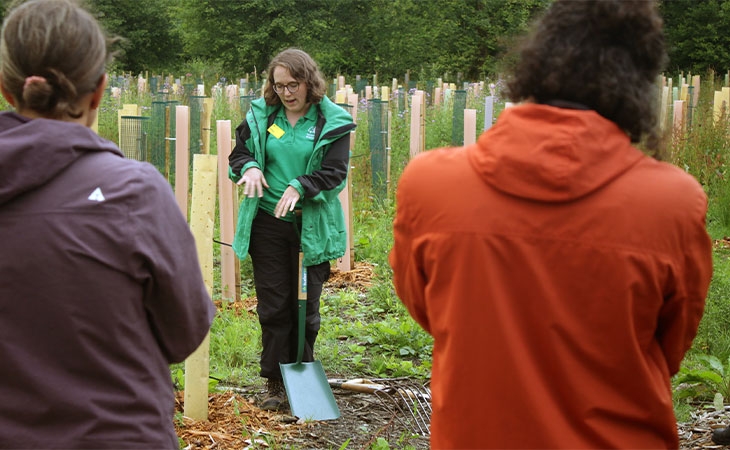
[{"x": 234, "y": 422}]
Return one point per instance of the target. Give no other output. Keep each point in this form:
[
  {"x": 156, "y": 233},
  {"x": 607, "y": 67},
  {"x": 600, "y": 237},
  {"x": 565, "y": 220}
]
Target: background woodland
[{"x": 459, "y": 40}]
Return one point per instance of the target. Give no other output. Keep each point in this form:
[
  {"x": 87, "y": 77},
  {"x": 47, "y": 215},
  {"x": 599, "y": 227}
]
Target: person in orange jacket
[{"x": 561, "y": 271}]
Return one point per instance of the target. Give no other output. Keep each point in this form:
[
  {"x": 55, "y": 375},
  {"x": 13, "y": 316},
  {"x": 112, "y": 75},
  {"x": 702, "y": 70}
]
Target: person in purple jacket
[{"x": 100, "y": 285}]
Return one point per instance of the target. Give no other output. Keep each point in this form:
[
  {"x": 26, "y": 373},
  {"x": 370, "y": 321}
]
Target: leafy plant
[
  {"x": 380, "y": 444},
  {"x": 709, "y": 381}
]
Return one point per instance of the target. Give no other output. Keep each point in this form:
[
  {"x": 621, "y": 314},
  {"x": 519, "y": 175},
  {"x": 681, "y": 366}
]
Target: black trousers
[{"x": 274, "y": 250}]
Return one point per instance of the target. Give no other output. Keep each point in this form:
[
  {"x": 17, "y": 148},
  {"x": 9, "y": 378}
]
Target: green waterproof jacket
[{"x": 324, "y": 234}]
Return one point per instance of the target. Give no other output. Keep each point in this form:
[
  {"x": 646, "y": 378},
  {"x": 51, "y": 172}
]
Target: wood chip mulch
[
  {"x": 697, "y": 433},
  {"x": 234, "y": 422},
  {"x": 358, "y": 279},
  {"x": 722, "y": 243}
]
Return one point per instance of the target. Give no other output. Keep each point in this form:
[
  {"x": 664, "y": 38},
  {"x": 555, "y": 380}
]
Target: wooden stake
[
  {"x": 197, "y": 365},
  {"x": 236, "y": 262},
  {"x": 470, "y": 126},
  {"x": 678, "y": 122},
  {"x": 664, "y": 107},
  {"x": 683, "y": 92},
  {"x": 696, "y": 92},
  {"x": 182, "y": 156},
  {"x": 347, "y": 261},
  {"x": 423, "y": 121},
  {"x": 717, "y": 107},
  {"x": 95, "y": 124},
  {"x": 387, "y": 153},
  {"x": 225, "y": 208},
  {"x": 168, "y": 163},
  {"x": 205, "y": 124},
  {"x": 415, "y": 147},
  {"x": 488, "y": 112}
]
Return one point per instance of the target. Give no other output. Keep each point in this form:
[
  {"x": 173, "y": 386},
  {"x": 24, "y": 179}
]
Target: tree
[
  {"x": 355, "y": 36},
  {"x": 426, "y": 37},
  {"x": 242, "y": 36},
  {"x": 698, "y": 34},
  {"x": 149, "y": 40}
]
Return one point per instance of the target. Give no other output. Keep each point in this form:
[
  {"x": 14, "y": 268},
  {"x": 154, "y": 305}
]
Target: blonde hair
[{"x": 52, "y": 52}]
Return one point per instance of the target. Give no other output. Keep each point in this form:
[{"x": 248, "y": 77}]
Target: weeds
[{"x": 709, "y": 380}]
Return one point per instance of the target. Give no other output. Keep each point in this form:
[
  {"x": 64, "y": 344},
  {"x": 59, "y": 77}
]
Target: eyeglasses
[{"x": 292, "y": 87}]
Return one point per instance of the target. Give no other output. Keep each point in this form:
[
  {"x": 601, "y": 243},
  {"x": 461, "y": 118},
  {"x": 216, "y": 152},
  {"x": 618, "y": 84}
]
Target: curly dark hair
[
  {"x": 303, "y": 68},
  {"x": 603, "y": 54}
]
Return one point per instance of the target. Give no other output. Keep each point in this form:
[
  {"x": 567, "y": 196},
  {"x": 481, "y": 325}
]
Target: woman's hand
[
  {"x": 253, "y": 182},
  {"x": 287, "y": 202}
]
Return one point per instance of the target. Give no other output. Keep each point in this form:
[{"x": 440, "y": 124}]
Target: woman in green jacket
[{"x": 291, "y": 157}]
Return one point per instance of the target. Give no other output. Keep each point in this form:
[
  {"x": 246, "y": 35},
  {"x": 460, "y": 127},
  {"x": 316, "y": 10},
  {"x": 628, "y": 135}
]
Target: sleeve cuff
[
  {"x": 298, "y": 186},
  {"x": 232, "y": 175}
]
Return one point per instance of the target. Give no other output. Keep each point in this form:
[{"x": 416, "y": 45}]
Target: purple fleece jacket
[{"x": 100, "y": 290}]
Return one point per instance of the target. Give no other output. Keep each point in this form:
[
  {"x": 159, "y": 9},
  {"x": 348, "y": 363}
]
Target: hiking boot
[
  {"x": 275, "y": 395},
  {"x": 721, "y": 436}
]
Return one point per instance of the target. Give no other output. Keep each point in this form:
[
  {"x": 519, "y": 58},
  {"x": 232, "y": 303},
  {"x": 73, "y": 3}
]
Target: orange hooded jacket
[{"x": 562, "y": 274}]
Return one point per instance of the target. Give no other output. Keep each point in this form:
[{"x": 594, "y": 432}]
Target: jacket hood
[
  {"x": 551, "y": 154},
  {"x": 34, "y": 151}
]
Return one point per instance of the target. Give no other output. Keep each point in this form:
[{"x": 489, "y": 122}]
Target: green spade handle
[{"x": 302, "y": 306}]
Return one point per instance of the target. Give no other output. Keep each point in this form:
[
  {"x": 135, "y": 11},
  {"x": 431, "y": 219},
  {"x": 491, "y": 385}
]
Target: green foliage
[
  {"x": 242, "y": 36},
  {"x": 235, "y": 347},
  {"x": 344, "y": 36},
  {"x": 360, "y": 336},
  {"x": 369, "y": 36},
  {"x": 476, "y": 38},
  {"x": 177, "y": 373},
  {"x": 696, "y": 33},
  {"x": 149, "y": 40},
  {"x": 713, "y": 336},
  {"x": 4, "y": 105},
  {"x": 380, "y": 444},
  {"x": 373, "y": 239},
  {"x": 709, "y": 380},
  {"x": 108, "y": 117},
  {"x": 207, "y": 72}
]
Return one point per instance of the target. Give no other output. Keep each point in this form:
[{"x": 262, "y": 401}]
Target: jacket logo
[{"x": 97, "y": 195}]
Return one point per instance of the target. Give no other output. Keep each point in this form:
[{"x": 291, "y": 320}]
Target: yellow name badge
[{"x": 276, "y": 131}]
